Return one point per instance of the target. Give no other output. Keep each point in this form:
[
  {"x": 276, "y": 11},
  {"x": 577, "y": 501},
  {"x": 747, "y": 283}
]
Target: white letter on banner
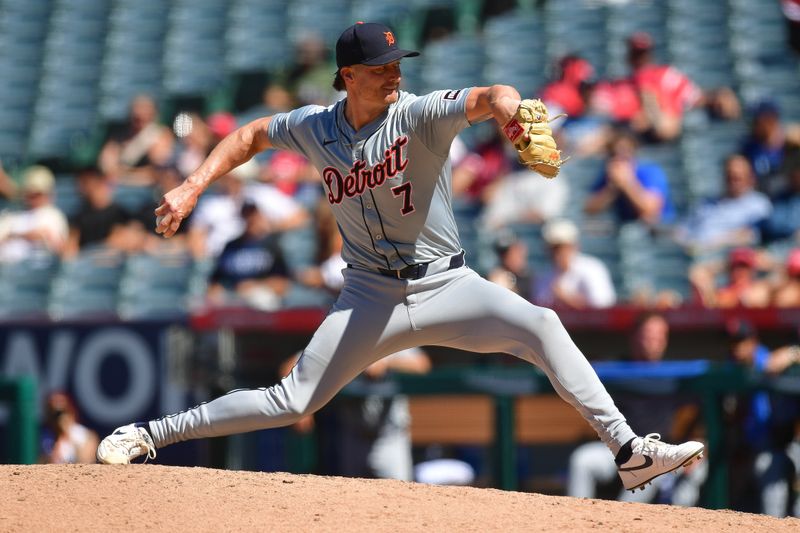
[
  {"x": 21, "y": 356},
  {"x": 59, "y": 357},
  {"x": 141, "y": 368}
]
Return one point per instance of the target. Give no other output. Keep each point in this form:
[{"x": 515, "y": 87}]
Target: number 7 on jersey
[{"x": 405, "y": 190}]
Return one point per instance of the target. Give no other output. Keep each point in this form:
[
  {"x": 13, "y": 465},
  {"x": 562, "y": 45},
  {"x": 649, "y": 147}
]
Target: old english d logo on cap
[{"x": 368, "y": 43}]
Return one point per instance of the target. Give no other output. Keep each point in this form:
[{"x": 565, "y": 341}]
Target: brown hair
[{"x": 338, "y": 81}]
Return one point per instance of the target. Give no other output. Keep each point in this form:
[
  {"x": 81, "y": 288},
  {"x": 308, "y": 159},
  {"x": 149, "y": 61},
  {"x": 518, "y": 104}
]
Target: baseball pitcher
[{"x": 383, "y": 157}]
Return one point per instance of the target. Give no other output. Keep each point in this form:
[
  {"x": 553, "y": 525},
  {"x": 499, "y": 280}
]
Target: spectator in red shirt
[
  {"x": 744, "y": 287},
  {"x": 654, "y": 98},
  {"x": 585, "y": 132},
  {"x": 787, "y": 292},
  {"x": 570, "y": 90}
]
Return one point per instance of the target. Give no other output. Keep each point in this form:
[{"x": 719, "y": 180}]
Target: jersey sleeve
[
  {"x": 294, "y": 130},
  {"x": 436, "y": 118}
]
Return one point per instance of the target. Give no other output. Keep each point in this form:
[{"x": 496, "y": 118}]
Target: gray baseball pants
[{"x": 375, "y": 316}]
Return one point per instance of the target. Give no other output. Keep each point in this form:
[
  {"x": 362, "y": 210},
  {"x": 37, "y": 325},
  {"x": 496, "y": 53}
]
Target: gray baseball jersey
[{"x": 389, "y": 186}]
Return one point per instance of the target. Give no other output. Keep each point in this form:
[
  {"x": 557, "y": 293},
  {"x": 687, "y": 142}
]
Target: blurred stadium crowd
[{"x": 683, "y": 187}]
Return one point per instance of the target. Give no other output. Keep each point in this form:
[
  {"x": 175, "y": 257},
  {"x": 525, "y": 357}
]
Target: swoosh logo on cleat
[
  {"x": 326, "y": 142},
  {"x": 648, "y": 461}
]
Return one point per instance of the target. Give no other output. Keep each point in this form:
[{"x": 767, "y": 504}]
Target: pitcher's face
[{"x": 374, "y": 84}]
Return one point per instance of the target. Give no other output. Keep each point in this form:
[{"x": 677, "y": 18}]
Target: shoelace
[
  {"x": 140, "y": 442},
  {"x": 651, "y": 442},
  {"x": 151, "y": 449},
  {"x": 151, "y": 454}
]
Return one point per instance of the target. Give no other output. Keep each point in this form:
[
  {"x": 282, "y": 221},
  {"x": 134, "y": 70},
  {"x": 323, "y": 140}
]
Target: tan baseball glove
[{"x": 530, "y": 132}]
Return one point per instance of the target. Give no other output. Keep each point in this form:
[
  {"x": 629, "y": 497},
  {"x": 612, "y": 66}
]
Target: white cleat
[
  {"x": 651, "y": 458},
  {"x": 126, "y": 443}
]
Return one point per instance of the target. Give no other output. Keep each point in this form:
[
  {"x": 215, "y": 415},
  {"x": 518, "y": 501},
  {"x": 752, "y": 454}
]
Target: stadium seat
[
  {"x": 66, "y": 108},
  {"x": 134, "y": 198},
  {"x": 25, "y": 286},
  {"x": 23, "y": 27},
  {"x": 299, "y": 247},
  {"x": 132, "y": 63},
  {"x": 623, "y": 21},
  {"x": 389, "y": 12},
  {"x": 464, "y": 58},
  {"x": 507, "y": 61},
  {"x": 256, "y": 36},
  {"x": 195, "y": 47},
  {"x": 155, "y": 285},
  {"x": 651, "y": 262},
  {"x": 66, "y": 196},
  {"x": 87, "y": 285},
  {"x": 324, "y": 19}
]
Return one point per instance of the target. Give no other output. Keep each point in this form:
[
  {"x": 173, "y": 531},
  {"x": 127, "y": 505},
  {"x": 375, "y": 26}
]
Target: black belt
[{"x": 418, "y": 271}]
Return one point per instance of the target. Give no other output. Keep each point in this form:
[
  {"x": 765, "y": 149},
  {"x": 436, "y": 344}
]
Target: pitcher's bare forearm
[
  {"x": 235, "y": 149},
  {"x": 498, "y": 101}
]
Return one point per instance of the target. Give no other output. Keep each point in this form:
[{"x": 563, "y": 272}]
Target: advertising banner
[{"x": 115, "y": 373}]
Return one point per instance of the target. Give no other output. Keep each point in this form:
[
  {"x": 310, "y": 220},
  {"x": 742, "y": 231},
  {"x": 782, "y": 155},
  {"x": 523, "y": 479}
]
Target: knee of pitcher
[
  {"x": 299, "y": 410},
  {"x": 548, "y": 317}
]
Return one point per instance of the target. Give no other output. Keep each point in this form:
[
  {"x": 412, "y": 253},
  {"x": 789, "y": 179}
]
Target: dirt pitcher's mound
[{"x": 155, "y": 498}]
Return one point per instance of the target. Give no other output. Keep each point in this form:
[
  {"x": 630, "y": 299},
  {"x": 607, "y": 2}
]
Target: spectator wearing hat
[
  {"x": 569, "y": 91},
  {"x": 512, "y": 272},
  {"x": 768, "y": 144},
  {"x": 787, "y": 292},
  {"x": 744, "y": 287},
  {"x": 251, "y": 267},
  {"x": 39, "y": 225},
  {"x": 633, "y": 189},
  {"x": 730, "y": 220},
  {"x": 584, "y": 131},
  {"x": 574, "y": 280}
]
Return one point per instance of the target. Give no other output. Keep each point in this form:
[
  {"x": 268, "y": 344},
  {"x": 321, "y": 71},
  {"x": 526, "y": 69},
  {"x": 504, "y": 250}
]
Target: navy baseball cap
[{"x": 368, "y": 43}]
